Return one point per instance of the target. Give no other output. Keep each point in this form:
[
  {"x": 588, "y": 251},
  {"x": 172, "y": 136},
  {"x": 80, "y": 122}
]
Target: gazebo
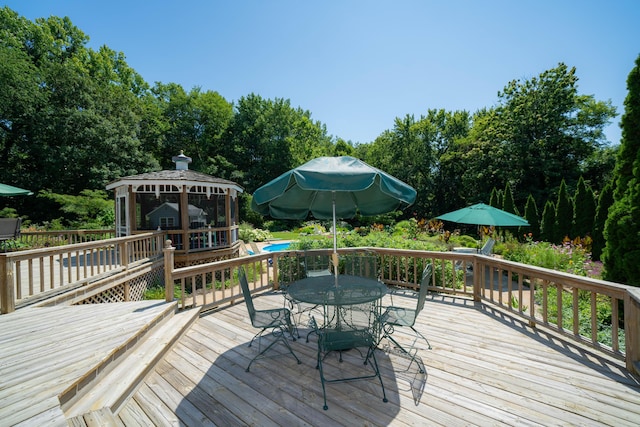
[{"x": 199, "y": 212}]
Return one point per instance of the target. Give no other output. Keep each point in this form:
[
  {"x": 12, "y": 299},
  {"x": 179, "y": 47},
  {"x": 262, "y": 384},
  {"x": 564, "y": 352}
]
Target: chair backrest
[
  {"x": 488, "y": 247},
  {"x": 354, "y": 326},
  {"x": 243, "y": 248},
  {"x": 317, "y": 265},
  {"x": 10, "y": 228},
  {"x": 248, "y": 299},
  {"x": 361, "y": 264},
  {"x": 255, "y": 249},
  {"x": 424, "y": 287}
]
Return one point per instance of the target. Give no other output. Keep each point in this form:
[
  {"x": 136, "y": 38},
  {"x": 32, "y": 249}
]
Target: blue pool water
[{"x": 274, "y": 247}]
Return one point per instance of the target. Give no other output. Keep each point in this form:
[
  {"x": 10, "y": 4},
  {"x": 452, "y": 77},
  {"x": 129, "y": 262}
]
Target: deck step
[
  {"x": 113, "y": 387},
  {"x": 100, "y": 418}
]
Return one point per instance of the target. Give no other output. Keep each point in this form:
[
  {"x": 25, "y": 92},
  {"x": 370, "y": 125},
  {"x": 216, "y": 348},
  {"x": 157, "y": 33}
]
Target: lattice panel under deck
[{"x": 137, "y": 287}]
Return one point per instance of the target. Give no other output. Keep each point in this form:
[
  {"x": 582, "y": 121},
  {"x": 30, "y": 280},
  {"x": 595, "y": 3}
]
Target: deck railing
[
  {"x": 30, "y": 275},
  {"x": 600, "y": 314},
  {"x": 64, "y": 237}
]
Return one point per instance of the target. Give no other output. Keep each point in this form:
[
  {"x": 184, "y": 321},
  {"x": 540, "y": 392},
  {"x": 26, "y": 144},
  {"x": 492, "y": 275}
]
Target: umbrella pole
[{"x": 334, "y": 256}]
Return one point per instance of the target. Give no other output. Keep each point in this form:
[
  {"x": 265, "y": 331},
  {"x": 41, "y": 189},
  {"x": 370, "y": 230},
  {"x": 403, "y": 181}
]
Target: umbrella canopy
[
  {"x": 330, "y": 188},
  {"x": 9, "y": 190},
  {"x": 316, "y": 186},
  {"x": 482, "y": 214}
]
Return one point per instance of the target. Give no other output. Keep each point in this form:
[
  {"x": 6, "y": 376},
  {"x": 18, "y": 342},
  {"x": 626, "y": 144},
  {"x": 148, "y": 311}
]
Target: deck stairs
[{"x": 102, "y": 391}]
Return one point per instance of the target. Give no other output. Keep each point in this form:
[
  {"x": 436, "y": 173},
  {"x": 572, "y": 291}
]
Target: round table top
[{"x": 348, "y": 291}]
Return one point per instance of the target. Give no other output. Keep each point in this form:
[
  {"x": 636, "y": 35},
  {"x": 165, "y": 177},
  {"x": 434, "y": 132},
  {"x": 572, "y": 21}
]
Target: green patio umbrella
[
  {"x": 9, "y": 190},
  {"x": 331, "y": 188},
  {"x": 482, "y": 214}
]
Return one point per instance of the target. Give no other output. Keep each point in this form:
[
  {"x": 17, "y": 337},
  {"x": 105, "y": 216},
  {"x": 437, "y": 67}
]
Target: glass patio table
[
  {"x": 341, "y": 291},
  {"x": 346, "y": 300}
]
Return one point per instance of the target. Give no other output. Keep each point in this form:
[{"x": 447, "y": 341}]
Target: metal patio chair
[
  {"x": 9, "y": 232},
  {"x": 352, "y": 328},
  {"x": 278, "y": 320},
  {"x": 314, "y": 265},
  {"x": 396, "y": 317},
  {"x": 363, "y": 264}
]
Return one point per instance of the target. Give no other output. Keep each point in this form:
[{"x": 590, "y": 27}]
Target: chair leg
[
  {"x": 374, "y": 365},
  {"x": 376, "y": 368},
  {"x": 421, "y": 336},
  {"x": 279, "y": 336},
  {"x": 412, "y": 352},
  {"x": 324, "y": 390}
]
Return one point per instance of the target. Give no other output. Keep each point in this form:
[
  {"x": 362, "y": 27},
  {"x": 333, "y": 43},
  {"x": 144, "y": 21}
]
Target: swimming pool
[{"x": 274, "y": 247}]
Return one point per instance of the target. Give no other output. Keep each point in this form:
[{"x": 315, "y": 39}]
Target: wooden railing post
[
  {"x": 276, "y": 278},
  {"x": 476, "y": 280},
  {"x": 632, "y": 330},
  {"x": 7, "y": 286},
  {"x": 124, "y": 253},
  {"x": 169, "y": 253}
]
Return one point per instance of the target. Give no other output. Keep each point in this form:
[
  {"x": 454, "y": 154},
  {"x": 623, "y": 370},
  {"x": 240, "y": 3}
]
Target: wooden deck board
[
  {"x": 49, "y": 348},
  {"x": 485, "y": 368}
]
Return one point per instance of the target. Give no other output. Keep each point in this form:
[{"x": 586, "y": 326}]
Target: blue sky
[{"x": 357, "y": 65}]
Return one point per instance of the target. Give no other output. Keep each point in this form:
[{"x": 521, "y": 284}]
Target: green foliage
[
  {"x": 249, "y": 215},
  {"x": 312, "y": 228},
  {"x": 603, "y": 314},
  {"x": 495, "y": 199},
  {"x": 508, "y": 203},
  {"x": 247, "y": 233},
  {"x": 8, "y": 213},
  {"x": 604, "y": 204},
  {"x": 464, "y": 240},
  {"x": 531, "y": 215},
  {"x": 567, "y": 257},
  {"x": 547, "y": 225},
  {"x": 407, "y": 228},
  {"x": 621, "y": 255},
  {"x": 564, "y": 215},
  {"x": 92, "y": 209},
  {"x": 585, "y": 210}
]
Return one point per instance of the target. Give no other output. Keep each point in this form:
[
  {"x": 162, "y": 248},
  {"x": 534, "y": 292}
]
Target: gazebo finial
[{"x": 181, "y": 161}]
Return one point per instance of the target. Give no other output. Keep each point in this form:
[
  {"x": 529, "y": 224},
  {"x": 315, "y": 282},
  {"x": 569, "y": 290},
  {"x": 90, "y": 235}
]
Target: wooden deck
[
  {"x": 485, "y": 368},
  {"x": 43, "y": 351}
]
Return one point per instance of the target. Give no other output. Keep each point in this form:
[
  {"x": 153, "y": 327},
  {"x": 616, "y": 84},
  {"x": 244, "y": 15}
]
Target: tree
[
  {"x": 597, "y": 169},
  {"x": 539, "y": 134},
  {"x": 531, "y": 215},
  {"x": 267, "y": 138},
  {"x": 508, "y": 204},
  {"x": 495, "y": 199},
  {"x": 195, "y": 122},
  {"x": 621, "y": 255},
  {"x": 443, "y": 129},
  {"x": 564, "y": 215},
  {"x": 585, "y": 210},
  {"x": 604, "y": 203},
  {"x": 547, "y": 225},
  {"x": 72, "y": 113},
  {"x": 90, "y": 209}
]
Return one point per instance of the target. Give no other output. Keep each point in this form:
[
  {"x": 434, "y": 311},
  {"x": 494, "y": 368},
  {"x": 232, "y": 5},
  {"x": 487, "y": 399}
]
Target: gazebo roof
[{"x": 174, "y": 177}]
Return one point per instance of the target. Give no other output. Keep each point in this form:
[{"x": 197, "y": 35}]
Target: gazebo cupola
[{"x": 198, "y": 211}]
